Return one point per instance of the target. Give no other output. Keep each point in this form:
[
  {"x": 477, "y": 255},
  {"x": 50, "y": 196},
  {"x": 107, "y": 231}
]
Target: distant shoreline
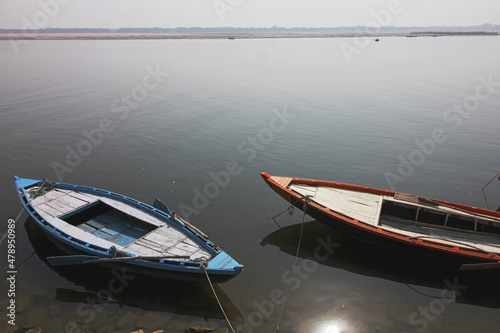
[{"x": 224, "y": 35}]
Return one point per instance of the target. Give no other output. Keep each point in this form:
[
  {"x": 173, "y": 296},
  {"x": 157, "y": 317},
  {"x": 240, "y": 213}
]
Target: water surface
[{"x": 164, "y": 118}]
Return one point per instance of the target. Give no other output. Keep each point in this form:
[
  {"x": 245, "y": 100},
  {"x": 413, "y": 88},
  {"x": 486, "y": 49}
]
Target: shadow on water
[
  {"x": 411, "y": 269},
  {"x": 103, "y": 286}
]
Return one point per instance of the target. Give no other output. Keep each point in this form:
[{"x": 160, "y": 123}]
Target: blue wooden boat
[{"x": 116, "y": 231}]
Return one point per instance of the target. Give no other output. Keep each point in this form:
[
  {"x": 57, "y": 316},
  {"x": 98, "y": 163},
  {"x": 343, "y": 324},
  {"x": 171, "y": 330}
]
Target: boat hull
[{"x": 370, "y": 232}]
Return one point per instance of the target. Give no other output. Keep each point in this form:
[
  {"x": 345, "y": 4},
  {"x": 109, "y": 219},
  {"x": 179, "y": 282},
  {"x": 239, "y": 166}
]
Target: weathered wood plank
[
  {"x": 187, "y": 247},
  {"x": 48, "y": 210},
  {"x": 56, "y": 204},
  {"x": 132, "y": 211},
  {"x": 178, "y": 252},
  {"x": 162, "y": 239},
  {"x": 141, "y": 250},
  {"x": 90, "y": 198},
  {"x": 359, "y": 205},
  {"x": 200, "y": 254},
  {"x": 49, "y": 196},
  {"x": 72, "y": 202},
  {"x": 304, "y": 189},
  {"x": 170, "y": 232}
]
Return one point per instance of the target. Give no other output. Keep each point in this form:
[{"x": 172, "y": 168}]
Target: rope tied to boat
[
  {"x": 42, "y": 190},
  {"x": 304, "y": 209},
  {"x": 289, "y": 209},
  {"x": 204, "y": 263},
  {"x": 484, "y": 193}
]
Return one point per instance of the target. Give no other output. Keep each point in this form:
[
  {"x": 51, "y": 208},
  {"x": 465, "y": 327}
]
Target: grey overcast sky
[{"x": 245, "y": 13}]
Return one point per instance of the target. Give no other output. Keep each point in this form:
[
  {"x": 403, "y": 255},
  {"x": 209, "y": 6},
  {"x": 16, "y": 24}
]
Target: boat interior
[
  {"x": 101, "y": 222},
  {"x": 449, "y": 226},
  {"x": 410, "y": 215},
  {"x": 452, "y": 219}
]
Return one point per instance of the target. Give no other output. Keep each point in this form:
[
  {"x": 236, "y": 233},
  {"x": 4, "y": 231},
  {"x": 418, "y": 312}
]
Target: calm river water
[{"x": 167, "y": 118}]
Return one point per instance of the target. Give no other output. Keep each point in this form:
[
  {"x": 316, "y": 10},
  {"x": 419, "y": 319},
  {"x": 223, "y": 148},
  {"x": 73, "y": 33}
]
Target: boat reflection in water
[
  {"x": 411, "y": 269},
  {"x": 103, "y": 287}
]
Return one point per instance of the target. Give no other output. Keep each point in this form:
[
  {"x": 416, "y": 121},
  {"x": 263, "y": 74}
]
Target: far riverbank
[{"x": 242, "y": 35}]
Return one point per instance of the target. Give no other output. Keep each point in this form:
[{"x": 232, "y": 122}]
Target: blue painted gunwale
[{"x": 221, "y": 266}]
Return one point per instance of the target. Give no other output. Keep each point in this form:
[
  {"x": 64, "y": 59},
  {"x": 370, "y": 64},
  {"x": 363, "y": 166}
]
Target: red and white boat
[{"x": 391, "y": 218}]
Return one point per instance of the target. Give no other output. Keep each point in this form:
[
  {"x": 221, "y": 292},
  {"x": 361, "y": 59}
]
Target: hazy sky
[{"x": 244, "y": 13}]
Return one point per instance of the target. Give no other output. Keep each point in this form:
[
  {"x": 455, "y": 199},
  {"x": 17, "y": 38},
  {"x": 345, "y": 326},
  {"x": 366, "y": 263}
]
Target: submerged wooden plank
[
  {"x": 95, "y": 223},
  {"x": 136, "y": 232},
  {"x": 121, "y": 239},
  {"x": 86, "y": 228},
  {"x": 117, "y": 226},
  {"x": 102, "y": 234},
  {"x": 109, "y": 231},
  {"x": 112, "y": 217},
  {"x": 80, "y": 234}
]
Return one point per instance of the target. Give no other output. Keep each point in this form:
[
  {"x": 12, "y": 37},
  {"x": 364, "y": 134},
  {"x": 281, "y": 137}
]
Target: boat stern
[{"x": 223, "y": 264}]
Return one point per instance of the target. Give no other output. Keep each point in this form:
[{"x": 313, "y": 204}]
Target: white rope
[
  {"x": 294, "y": 262},
  {"x": 217, "y": 298}
]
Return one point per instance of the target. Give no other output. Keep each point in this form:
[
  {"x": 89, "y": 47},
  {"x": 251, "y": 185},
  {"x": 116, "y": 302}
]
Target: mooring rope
[
  {"x": 42, "y": 189},
  {"x": 294, "y": 262},
  {"x": 203, "y": 264},
  {"x": 15, "y": 221},
  {"x": 289, "y": 209}
]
